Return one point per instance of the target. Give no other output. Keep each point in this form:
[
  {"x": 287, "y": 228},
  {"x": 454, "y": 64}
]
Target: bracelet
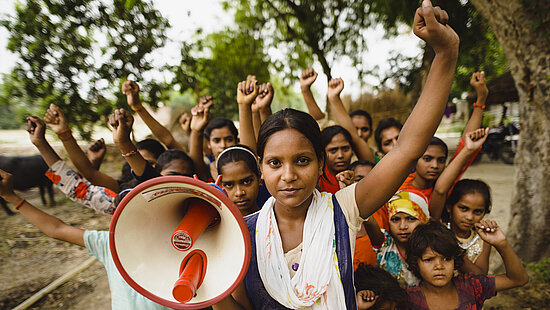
[
  {"x": 137, "y": 108},
  {"x": 134, "y": 152},
  {"x": 481, "y": 106},
  {"x": 20, "y": 204},
  {"x": 65, "y": 138},
  {"x": 63, "y": 131}
]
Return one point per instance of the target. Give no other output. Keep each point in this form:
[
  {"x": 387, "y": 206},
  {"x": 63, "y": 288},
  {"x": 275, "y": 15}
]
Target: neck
[
  {"x": 460, "y": 233},
  {"x": 420, "y": 182},
  {"x": 249, "y": 210},
  {"x": 402, "y": 248},
  {"x": 292, "y": 214}
]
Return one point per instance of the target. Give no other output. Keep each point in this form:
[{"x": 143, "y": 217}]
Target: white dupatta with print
[{"x": 316, "y": 283}]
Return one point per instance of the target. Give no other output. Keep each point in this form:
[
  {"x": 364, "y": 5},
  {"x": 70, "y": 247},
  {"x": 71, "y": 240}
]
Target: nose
[
  {"x": 403, "y": 225},
  {"x": 359, "y": 132},
  {"x": 240, "y": 191},
  {"x": 288, "y": 173},
  {"x": 468, "y": 216},
  {"x": 438, "y": 263},
  {"x": 339, "y": 154},
  {"x": 433, "y": 164}
]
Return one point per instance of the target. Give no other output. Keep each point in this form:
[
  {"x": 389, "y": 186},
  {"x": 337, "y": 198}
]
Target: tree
[
  {"x": 75, "y": 54},
  {"x": 522, "y": 29},
  {"x": 215, "y": 64},
  {"x": 328, "y": 29}
]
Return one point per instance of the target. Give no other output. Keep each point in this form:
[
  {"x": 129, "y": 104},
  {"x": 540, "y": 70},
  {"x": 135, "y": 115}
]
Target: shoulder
[{"x": 97, "y": 243}]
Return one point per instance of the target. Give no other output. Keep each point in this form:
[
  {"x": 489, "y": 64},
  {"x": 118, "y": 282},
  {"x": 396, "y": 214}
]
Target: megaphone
[{"x": 180, "y": 242}]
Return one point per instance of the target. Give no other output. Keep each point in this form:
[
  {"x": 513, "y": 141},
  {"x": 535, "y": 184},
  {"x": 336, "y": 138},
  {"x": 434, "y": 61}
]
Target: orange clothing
[
  {"x": 328, "y": 182},
  {"x": 363, "y": 247}
]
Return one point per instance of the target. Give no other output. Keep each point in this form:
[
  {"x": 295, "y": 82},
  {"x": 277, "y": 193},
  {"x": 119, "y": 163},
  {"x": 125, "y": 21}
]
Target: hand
[
  {"x": 265, "y": 97},
  {"x": 475, "y": 139},
  {"x": 345, "y": 178},
  {"x": 97, "y": 150},
  {"x": 185, "y": 122},
  {"x": 121, "y": 121},
  {"x": 430, "y": 25},
  {"x": 200, "y": 118},
  {"x": 36, "y": 129},
  {"x": 131, "y": 90},
  {"x": 206, "y": 102},
  {"x": 247, "y": 90},
  {"x": 491, "y": 233},
  {"x": 56, "y": 119},
  {"x": 365, "y": 299},
  {"x": 307, "y": 78},
  {"x": 478, "y": 82},
  {"x": 6, "y": 184},
  {"x": 335, "y": 87}
]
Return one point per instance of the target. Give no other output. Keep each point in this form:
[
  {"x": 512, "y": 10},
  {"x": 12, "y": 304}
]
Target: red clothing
[
  {"x": 328, "y": 182},
  {"x": 363, "y": 247},
  {"x": 472, "y": 289}
]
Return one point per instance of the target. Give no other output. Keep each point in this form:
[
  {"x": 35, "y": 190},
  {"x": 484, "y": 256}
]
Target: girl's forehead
[{"x": 287, "y": 141}]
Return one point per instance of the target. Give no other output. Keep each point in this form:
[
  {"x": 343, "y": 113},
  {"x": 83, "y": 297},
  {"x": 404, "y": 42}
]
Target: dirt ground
[{"x": 29, "y": 260}]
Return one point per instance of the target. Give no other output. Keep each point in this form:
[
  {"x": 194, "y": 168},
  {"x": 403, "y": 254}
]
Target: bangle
[
  {"x": 481, "y": 106},
  {"x": 63, "y": 131},
  {"x": 136, "y": 109},
  {"x": 134, "y": 152},
  {"x": 20, "y": 204},
  {"x": 65, "y": 138}
]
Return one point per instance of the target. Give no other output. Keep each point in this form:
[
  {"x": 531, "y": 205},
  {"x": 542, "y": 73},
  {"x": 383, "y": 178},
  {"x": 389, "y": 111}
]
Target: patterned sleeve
[
  {"x": 484, "y": 287},
  {"x": 80, "y": 190}
]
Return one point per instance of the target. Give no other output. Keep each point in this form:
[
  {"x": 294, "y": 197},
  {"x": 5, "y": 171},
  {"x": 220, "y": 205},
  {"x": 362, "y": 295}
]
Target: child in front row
[
  {"x": 377, "y": 289},
  {"x": 433, "y": 255}
]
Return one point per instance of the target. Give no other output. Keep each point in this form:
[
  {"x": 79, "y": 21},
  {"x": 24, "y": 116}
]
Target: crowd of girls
[{"x": 334, "y": 224}]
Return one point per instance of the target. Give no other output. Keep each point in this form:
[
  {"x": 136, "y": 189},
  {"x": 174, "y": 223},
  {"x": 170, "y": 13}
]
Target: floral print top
[
  {"x": 389, "y": 258},
  {"x": 80, "y": 190}
]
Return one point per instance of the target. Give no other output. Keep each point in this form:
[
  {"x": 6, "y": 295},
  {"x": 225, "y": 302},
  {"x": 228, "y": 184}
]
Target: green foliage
[
  {"x": 541, "y": 269},
  {"x": 300, "y": 29},
  {"x": 215, "y": 64},
  {"x": 76, "y": 53}
]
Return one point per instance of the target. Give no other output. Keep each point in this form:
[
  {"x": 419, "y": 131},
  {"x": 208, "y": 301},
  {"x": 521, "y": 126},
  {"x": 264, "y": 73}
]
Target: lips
[
  {"x": 404, "y": 236},
  {"x": 467, "y": 225},
  {"x": 289, "y": 191},
  {"x": 340, "y": 164},
  {"x": 241, "y": 203}
]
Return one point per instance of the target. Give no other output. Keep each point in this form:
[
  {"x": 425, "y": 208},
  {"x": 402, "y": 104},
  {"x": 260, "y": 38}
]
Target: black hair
[
  {"x": 360, "y": 162},
  {"x": 383, "y": 125},
  {"x": 363, "y": 113},
  {"x": 151, "y": 145},
  {"x": 220, "y": 122},
  {"x": 437, "y": 237},
  {"x": 291, "y": 119},
  {"x": 235, "y": 154},
  {"x": 464, "y": 187},
  {"x": 382, "y": 283},
  {"x": 438, "y": 142},
  {"x": 329, "y": 132},
  {"x": 173, "y": 154}
]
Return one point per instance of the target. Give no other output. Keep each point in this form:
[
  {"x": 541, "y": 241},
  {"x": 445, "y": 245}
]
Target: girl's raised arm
[
  {"x": 48, "y": 224},
  {"x": 247, "y": 91},
  {"x": 131, "y": 90},
  {"x": 386, "y": 177},
  {"x": 58, "y": 123},
  {"x": 473, "y": 140},
  {"x": 121, "y": 122},
  {"x": 361, "y": 148},
  {"x": 306, "y": 79},
  {"x": 515, "y": 274}
]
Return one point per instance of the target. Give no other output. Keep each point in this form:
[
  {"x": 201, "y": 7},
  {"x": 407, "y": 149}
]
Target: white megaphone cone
[{"x": 180, "y": 242}]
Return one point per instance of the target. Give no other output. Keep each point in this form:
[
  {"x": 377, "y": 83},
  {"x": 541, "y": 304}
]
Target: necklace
[{"x": 465, "y": 246}]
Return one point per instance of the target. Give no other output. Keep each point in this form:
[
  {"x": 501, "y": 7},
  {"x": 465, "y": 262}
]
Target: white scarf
[{"x": 317, "y": 281}]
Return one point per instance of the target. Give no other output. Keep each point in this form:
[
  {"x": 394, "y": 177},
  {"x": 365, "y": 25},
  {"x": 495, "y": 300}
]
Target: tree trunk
[{"x": 528, "y": 55}]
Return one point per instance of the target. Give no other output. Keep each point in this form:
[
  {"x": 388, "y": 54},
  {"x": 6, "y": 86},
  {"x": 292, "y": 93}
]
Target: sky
[{"x": 186, "y": 16}]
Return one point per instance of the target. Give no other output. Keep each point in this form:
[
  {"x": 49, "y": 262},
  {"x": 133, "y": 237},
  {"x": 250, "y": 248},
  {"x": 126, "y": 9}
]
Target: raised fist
[{"x": 307, "y": 78}]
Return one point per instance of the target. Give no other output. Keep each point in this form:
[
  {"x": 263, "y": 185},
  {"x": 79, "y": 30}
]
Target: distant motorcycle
[{"x": 502, "y": 142}]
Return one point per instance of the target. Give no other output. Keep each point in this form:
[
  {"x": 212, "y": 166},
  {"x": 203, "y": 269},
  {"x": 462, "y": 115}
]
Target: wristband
[
  {"x": 136, "y": 109},
  {"x": 481, "y": 106},
  {"x": 20, "y": 204},
  {"x": 63, "y": 131},
  {"x": 62, "y": 136},
  {"x": 134, "y": 152}
]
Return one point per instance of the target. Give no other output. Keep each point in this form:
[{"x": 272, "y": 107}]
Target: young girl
[
  {"x": 240, "y": 177},
  {"x": 303, "y": 239},
  {"x": 434, "y": 255},
  {"x": 406, "y": 210},
  {"x": 337, "y": 145},
  {"x": 467, "y": 204}
]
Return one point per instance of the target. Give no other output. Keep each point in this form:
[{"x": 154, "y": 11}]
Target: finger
[{"x": 428, "y": 14}]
